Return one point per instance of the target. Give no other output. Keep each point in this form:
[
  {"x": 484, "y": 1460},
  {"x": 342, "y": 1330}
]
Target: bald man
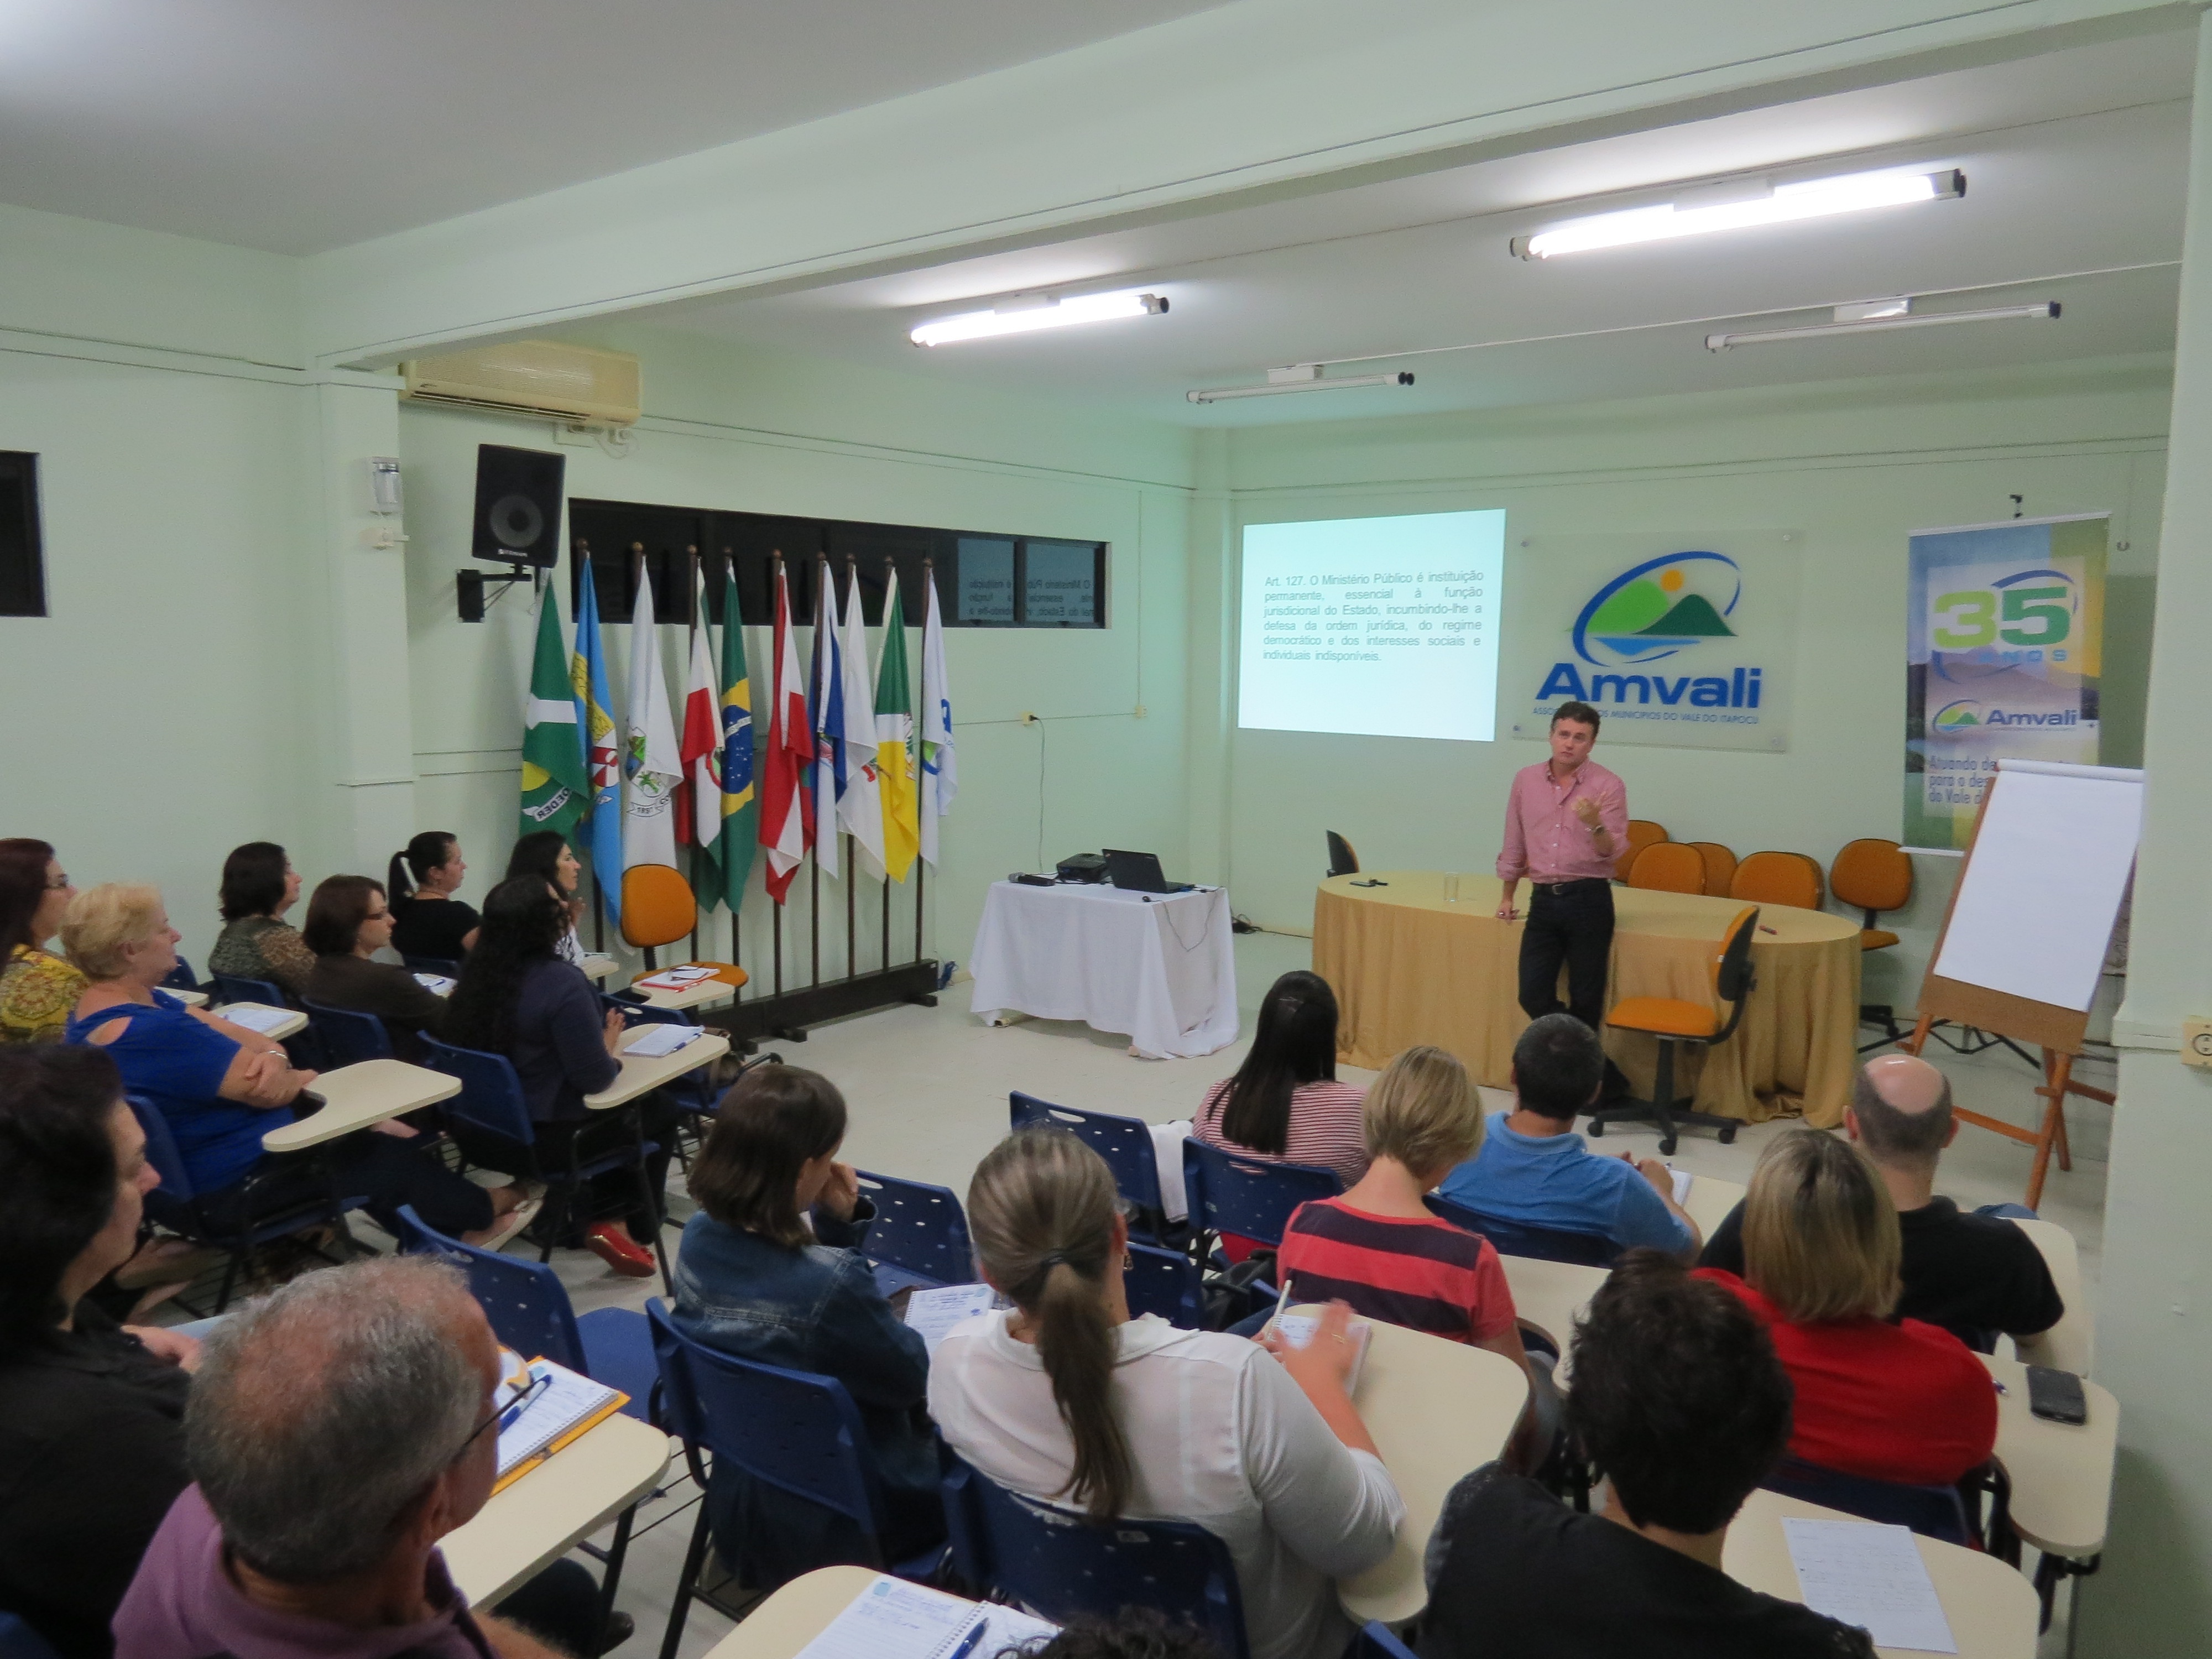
[{"x": 1974, "y": 1273}]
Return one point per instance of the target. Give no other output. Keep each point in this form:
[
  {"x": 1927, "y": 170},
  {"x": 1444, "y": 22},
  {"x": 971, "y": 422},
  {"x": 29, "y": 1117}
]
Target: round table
[{"x": 1407, "y": 968}]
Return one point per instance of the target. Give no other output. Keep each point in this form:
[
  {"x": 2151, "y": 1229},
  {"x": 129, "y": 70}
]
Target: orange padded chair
[
  {"x": 1720, "y": 868},
  {"x": 1642, "y": 832},
  {"x": 1674, "y": 1022},
  {"x": 1669, "y": 867},
  {"x": 1789, "y": 878},
  {"x": 657, "y": 908},
  {"x": 1873, "y": 875}
]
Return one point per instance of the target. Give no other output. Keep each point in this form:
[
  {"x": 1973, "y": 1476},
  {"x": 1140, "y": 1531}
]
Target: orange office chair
[
  {"x": 1720, "y": 868},
  {"x": 1872, "y": 875},
  {"x": 657, "y": 908},
  {"x": 1642, "y": 832},
  {"x": 1672, "y": 1022},
  {"x": 1789, "y": 878},
  {"x": 1668, "y": 866}
]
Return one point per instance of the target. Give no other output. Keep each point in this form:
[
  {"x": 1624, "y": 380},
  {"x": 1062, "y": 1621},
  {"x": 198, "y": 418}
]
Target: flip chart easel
[{"x": 2025, "y": 937}]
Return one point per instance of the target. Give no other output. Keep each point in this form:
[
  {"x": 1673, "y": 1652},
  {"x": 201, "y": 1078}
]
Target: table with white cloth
[{"x": 1155, "y": 966}]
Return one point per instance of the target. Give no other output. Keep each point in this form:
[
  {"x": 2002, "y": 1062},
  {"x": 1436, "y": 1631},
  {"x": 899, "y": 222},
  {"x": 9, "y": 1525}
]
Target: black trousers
[
  {"x": 1572, "y": 923},
  {"x": 388, "y": 1172}
]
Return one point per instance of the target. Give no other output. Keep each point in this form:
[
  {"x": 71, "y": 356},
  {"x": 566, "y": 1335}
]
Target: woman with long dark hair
[
  {"x": 1284, "y": 1103},
  {"x": 259, "y": 886},
  {"x": 517, "y": 998},
  {"x": 544, "y": 853},
  {"x": 426, "y": 920},
  {"x": 37, "y": 988},
  {"x": 1067, "y": 1398}
]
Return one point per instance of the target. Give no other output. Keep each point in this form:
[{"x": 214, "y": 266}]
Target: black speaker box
[{"x": 518, "y": 505}]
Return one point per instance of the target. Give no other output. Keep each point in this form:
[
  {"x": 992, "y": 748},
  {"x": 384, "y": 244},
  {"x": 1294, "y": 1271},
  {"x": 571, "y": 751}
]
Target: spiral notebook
[
  {"x": 894, "y": 1619},
  {"x": 568, "y": 1406}
]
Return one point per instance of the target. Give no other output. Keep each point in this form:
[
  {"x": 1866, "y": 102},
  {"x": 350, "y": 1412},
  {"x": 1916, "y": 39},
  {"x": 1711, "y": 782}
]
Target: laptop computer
[{"x": 1140, "y": 872}]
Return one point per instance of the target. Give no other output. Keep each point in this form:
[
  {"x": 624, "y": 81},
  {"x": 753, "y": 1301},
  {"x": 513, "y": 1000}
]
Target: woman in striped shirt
[{"x": 1285, "y": 1104}]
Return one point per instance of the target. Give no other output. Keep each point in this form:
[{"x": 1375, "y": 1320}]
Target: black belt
[{"x": 1556, "y": 887}]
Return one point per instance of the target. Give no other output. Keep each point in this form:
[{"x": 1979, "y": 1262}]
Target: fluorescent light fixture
[
  {"x": 1029, "y": 311},
  {"x": 1297, "y": 377},
  {"x": 1734, "y": 207},
  {"x": 1881, "y": 322}
]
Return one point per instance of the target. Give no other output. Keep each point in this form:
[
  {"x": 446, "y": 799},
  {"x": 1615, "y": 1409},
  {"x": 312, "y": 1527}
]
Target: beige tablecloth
[{"x": 1408, "y": 967}]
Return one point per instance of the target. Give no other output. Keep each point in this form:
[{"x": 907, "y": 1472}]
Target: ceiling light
[
  {"x": 1297, "y": 377},
  {"x": 1734, "y": 207},
  {"x": 1880, "y": 323},
  {"x": 1035, "y": 310}
]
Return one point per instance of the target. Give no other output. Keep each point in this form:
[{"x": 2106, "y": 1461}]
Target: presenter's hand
[
  {"x": 1586, "y": 810},
  {"x": 1506, "y": 912}
]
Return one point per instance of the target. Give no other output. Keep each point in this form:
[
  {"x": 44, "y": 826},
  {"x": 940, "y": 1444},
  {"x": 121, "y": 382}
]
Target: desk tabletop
[
  {"x": 1709, "y": 1200},
  {"x": 359, "y": 1096},
  {"x": 704, "y": 994},
  {"x": 280, "y": 1023},
  {"x": 190, "y": 999},
  {"x": 597, "y": 965},
  {"x": 1437, "y": 1410},
  {"x": 548, "y": 1511},
  {"x": 640, "y": 1076},
  {"x": 1636, "y": 910},
  {"x": 2066, "y": 1345},
  {"x": 1991, "y": 1608},
  {"x": 1549, "y": 1295},
  {"x": 2061, "y": 1472}
]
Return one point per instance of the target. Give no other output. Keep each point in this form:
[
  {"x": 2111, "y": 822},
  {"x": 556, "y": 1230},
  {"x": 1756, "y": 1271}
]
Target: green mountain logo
[{"x": 1692, "y": 617}]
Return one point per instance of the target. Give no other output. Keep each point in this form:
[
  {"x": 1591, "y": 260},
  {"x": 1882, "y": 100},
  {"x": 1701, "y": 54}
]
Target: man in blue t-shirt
[{"x": 1535, "y": 1169}]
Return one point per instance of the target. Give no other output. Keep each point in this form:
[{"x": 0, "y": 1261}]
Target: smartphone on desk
[{"x": 2057, "y": 1396}]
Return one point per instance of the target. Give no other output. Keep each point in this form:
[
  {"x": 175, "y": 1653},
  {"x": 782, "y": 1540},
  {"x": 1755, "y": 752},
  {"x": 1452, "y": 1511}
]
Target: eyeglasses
[
  {"x": 58, "y": 883},
  {"x": 508, "y": 1411}
]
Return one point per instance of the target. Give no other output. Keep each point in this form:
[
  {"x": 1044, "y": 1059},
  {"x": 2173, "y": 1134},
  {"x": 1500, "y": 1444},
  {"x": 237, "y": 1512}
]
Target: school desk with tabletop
[{"x": 1409, "y": 967}]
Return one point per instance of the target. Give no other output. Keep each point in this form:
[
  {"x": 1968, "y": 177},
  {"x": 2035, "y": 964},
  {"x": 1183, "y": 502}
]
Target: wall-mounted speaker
[{"x": 518, "y": 505}]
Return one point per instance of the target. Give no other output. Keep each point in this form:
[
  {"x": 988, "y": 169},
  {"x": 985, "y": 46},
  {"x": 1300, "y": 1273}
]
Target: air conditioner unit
[{"x": 573, "y": 384}]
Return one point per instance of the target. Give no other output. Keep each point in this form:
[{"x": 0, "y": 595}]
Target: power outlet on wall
[{"x": 2197, "y": 1042}]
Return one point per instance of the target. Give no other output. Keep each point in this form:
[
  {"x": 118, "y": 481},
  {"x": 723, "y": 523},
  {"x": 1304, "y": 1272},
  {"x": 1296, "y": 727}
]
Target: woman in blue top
[
  {"x": 769, "y": 1271},
  {"x": 215, "y": 1086}
]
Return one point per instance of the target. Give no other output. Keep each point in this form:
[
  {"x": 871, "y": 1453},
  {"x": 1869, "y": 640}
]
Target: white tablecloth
[{"x": 1157, "y": 967}]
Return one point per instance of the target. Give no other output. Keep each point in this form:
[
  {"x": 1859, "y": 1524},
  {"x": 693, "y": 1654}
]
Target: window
[
  {"x": 982, "y": 580},
  {"x": 22, "y": 558}
]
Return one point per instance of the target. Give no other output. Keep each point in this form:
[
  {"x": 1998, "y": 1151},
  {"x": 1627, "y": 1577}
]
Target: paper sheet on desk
[
  {"x": 1864, "y": 1573},
  {"x": 254, "y": 1018},
  {"x": 673, "y": 979},
  {"x": 437, "y": 984},
  {"x": 660, "y": 1039},
  {"x": 935, "y": 1310},
  {"x": 1683, "y": 1182},
  {"x": 894, "y": 1619}
]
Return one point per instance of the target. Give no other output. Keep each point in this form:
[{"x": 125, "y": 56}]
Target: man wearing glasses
[{"x": 337, "y": 1430}]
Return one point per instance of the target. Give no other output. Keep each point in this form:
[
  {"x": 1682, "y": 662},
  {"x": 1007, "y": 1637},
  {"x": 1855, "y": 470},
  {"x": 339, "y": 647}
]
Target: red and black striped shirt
[{"x": 1426, "y": 1275}]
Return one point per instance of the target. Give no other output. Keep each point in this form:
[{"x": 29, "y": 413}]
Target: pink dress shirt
[{"x": 1545, "y": 840}]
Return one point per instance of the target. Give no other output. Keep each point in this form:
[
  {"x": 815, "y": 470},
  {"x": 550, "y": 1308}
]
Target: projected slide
[{"x": 1379, "y": 627}]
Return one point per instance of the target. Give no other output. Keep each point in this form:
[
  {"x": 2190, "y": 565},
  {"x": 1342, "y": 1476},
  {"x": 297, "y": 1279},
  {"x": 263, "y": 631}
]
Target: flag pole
[
  {"x": 776, "y": 578},
  {"x": 583, "y": 554},
  {"x": 851, "y": 886},
  {"x": 729, "y": 568},
  {"x": 928, "y": 587},
  {"x": 890, "y": 568},
  {"x": 695, "y": 589},
  {"x": 814, "y": 900}
]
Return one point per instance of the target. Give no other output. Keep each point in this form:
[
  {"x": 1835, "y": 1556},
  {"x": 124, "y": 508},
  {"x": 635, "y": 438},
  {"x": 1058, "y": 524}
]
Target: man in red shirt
[{"x": 1567, "y": 821}]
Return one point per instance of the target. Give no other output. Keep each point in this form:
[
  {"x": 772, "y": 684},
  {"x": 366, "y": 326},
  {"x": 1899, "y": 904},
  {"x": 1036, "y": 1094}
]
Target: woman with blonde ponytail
[{"x": 1067, "y": 1398}]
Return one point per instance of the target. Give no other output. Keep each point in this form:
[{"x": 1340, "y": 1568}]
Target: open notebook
[
  {"x": 566, "y": 1407},
  {"x": 894, "y": 1619},
  {"x": 1299, "y": 1328}
]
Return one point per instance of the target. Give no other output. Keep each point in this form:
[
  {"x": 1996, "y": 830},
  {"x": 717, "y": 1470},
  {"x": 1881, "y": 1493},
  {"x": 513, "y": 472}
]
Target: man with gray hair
[
  {"x": 337, "y": 1428},
  {"x": 1974, "y": 1273}
]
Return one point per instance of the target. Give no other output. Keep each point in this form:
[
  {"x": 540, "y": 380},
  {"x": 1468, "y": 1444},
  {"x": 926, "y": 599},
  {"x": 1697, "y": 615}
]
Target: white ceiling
[
  {"x": 296, "y": 125},
  {"x": 2075, "y": 162}
]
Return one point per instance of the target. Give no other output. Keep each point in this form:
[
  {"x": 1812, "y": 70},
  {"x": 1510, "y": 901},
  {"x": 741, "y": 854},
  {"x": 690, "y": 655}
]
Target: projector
[{"x": 1083, "y": 866}]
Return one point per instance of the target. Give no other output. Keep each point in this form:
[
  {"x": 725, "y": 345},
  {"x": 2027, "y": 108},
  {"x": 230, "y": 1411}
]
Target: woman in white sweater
[{"x": 1065, "y": 1397}]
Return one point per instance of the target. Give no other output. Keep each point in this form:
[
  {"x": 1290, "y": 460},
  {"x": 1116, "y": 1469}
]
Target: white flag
[
  {"x": 825, "y": 693},
  {"x": 940, "y": 772},
  {"x": 651, "y": 763},
  {"x": 860, "y": 808}
]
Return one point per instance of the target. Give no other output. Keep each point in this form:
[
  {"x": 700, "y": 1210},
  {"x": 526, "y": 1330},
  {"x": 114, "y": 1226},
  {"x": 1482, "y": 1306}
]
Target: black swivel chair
[{"x": 1342, "y": 860}]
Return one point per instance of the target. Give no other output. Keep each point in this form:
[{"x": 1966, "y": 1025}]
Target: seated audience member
[
  {"x": 347, "y": 922},
  {"x": 1068, "y": 1400},
  {"x": 1887, "y": 1397},
  {"x": 220, "y": 1087},
  {"x": 755, "y": 1280},
  {"x": 517, "y": 998},
  {"x": 337, "y": 1430},
  {"x": 259, "y": 886},
  {"x": 1132, "y": 1633},
  {"x": 37, "y": 988},
  {"x": 1535, "y": 1169},
  {"x": 1284, "y": 1103},
  {"x": 92, "y": 1440},
  {"x": 544, "y": 853},
  {"x": 1681, "y": 1405},
  {"x": 1977, "y": 1275},
  {"x": 426, "y": 920}
]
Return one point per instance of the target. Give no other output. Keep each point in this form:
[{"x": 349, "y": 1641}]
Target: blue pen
[
  {"x": 970, "y": 1641},
  {"x": 512, "y": 1414}
]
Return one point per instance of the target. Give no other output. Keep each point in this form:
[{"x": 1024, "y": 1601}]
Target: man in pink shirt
[{"x": 1567, "y": 821}]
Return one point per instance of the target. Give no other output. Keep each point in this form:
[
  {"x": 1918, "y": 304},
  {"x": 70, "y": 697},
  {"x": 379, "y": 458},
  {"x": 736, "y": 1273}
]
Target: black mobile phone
[{"x": 2057, "y": 1396}]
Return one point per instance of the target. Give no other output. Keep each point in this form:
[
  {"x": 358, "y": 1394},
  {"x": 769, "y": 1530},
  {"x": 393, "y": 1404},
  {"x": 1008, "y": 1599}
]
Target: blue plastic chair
[
  {"x": 795, "y": 1431},
  {"x": 529, "y": 1312},
  {"x": 1059, "y": 1562},
  {"x": 19, "y": 1641},
  {"x": 348, "y": 1035},
  {"x": 1931, "y": 1512},
  {"x": 1248, "y": 1196},
  {"x": 1126, "y": 1144},
  {"x": 176, "y": 1204},
  {"x": 490, "y": 1108},
  {"x": 919, "y": 1237},
  {"x": 1376, "y": 1642},
  {"x": 693, "y": 1093},
  {"x": 1514, "y": 1238},
  {"x": 432, "y": 965},
  {"x": 1166, "y": 1283},
  {"x": 181, "y": 977},
  {"x": 229, "y": 987}
]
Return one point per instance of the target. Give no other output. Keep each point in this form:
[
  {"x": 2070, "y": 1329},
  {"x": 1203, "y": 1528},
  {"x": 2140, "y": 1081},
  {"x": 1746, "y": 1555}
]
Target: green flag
[
  {"x": 740, "y": 806},
  {"x": 554, "y": 793}
]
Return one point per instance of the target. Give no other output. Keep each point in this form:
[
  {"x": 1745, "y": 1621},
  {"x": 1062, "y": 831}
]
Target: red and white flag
[
  {"x": 699, "y": 745},
  {"x": 786, "y": 812}
]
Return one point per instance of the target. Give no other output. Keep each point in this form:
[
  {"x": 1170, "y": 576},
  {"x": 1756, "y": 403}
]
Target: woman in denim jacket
[{"x": 753, "y": 1280}]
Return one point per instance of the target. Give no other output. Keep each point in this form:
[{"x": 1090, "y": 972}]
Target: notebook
[
  {"x": 894, "y": 1619},
  {"x": 935, "y": 1310},
  {"x": 659, "y": 1039},
  {"x": 674, "y": 979},
  {"x": 1298, "y": 1329},
  {"x": 1684, "y": 1180},
  {"x": 565, "y": 1409},
  {"x": 254, "y": 1015},
  {"x": 437, "y": 984}
]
